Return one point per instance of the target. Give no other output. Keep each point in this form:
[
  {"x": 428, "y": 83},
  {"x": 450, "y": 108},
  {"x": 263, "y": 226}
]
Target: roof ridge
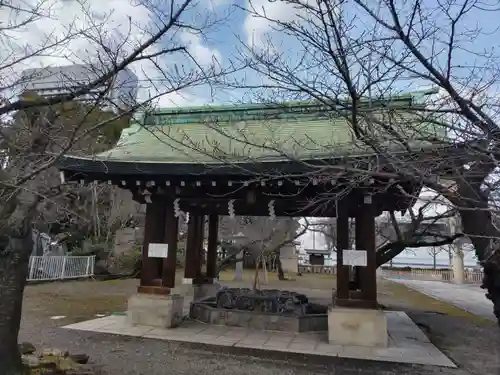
[{"x": 411, "y": 97}]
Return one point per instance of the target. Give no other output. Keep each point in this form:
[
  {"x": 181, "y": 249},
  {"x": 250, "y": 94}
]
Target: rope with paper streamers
[
  {"x": 230, "y": 208},
  {"x": 177, "y": 210},
  {"x": 272, "y": 213}
]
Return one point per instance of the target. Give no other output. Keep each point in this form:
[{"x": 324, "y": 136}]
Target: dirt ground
[{"x": 470, "y": 341}]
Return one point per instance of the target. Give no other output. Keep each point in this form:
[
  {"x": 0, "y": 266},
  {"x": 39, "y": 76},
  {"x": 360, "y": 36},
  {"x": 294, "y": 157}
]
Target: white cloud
[
  {"x": 115, "y": 20},
  {"x": 180, "y": 99},
  {"x": 213, "y": 4},
  {"x": 257, "y": 27},
  {"x": 201, "y": 53}
]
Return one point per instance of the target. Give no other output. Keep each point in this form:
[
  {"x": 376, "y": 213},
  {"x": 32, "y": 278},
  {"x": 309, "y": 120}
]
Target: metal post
[
  {"x": 63, "y": 267},
  {"x": 87, "y": 271},
  {"x": 32, "y": 268}
]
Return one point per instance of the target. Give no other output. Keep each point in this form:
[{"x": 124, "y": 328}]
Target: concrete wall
[{"x": 289, "y": 259}]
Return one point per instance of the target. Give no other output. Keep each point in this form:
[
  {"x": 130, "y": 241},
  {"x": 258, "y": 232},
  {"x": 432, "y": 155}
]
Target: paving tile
[
  {"x": 442, "y": 360},
  {"x": 236, "y": 332},
  {"x": 225, "y": 341},
  {"x": 96, "y": 323},
  {"x": 258, "y": 336},
  {"x": 204, "y": 339},
  {"x": 275, "y": 345},
  {"x": 310, "y": 337},
  {"x": 408, "y": 344},
  {"x": 389, "y": 352},
  {"x": 360, "y": 352},
  {"x": 190, "y": 339},
  {"x": 328, "y": 349},
  {"x": 117, "y": 324},
  {"x": 82, "y": 325},
  {"x": 303, "y": 341},
  {"x": 81, "y": 328},
  {"x": 302, "y": 346},
  {"x": 282, "y": 339},
  {"x": 130, "y": 331},
  {"x": 392, "y": 342},
  {"x": 293, "y": 350},
  {"x": 215, "y": 331},
  {"x": 406, "y": 330},
  {"x": 251, "y": 342},
  {"x": 204, "y": 335},
  {"x": 165, "y": 332},
  {"x": 190, "y": 330},
  {"x": 279, "y": 341}
]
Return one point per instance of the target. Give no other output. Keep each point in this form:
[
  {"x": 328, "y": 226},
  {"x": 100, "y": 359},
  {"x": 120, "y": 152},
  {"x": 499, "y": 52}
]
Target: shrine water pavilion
[{"x": 293, "y": 159}]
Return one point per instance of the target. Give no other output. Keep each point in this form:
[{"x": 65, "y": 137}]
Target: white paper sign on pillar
[
  {"x": 158, "y": 250},
  {"x": 354, "y": 258}
]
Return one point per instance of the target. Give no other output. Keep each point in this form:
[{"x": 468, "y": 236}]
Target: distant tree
[{"x": 262, "y": 237}]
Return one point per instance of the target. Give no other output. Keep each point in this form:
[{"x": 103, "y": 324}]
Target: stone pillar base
[
  {"x": 155, "y": 310},
  {"x": 361, "y": 327},
  {"x": 198, "y": 291},
  {"x": 205, "y": 290}
]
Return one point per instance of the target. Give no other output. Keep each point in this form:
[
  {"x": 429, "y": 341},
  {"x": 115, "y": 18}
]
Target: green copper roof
[{"x": 247, "y": 133}]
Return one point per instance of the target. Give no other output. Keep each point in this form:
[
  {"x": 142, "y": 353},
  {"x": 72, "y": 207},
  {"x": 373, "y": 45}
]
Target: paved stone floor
[
  {"x": 468, "y": 297},
  {"x": 408, "y": 344}
]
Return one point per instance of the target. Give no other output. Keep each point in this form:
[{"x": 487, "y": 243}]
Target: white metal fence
[
  {"x": 42, "y": 268},
  {"x": 316, "y": 269},
  {"x": 473, "y": 277}
]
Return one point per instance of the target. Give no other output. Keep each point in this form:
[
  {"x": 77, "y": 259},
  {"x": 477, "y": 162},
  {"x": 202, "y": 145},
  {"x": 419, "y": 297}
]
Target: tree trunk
[
  {"x": 13, "y": 274},
  {"x": 256, "y": 276},
  {"x": 478, "y": 225},
  {"x": 281, "y": 274},
  {"x": 264, "y": 269}
]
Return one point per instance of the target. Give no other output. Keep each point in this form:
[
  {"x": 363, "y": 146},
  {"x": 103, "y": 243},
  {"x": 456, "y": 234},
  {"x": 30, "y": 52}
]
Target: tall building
[{"x": 118, "y": 93}]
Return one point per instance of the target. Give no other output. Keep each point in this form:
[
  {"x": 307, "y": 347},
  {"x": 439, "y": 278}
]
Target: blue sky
[
  {"x": 132, "y": 18},
  {"x": 470, "y": 65}
]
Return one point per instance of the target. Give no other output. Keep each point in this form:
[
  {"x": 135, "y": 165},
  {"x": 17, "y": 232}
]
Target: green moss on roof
[{"x": 252, "y": 133}]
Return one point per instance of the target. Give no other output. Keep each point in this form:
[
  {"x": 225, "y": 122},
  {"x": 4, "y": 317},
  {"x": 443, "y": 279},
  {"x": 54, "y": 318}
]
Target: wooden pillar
[
  {"x": 213, "y": 231},
  {"x": 171, "y": 238},
  {"x": 189, "y": 266},
  {"x": 192, "y": 268},
  {"x": 342, "y": 271},
  {"x": 154, "y": 231},
  {"x": 199, "y": 244},
  {"x": 359, "y": 240},
  {"x": 366, "y": 238}
]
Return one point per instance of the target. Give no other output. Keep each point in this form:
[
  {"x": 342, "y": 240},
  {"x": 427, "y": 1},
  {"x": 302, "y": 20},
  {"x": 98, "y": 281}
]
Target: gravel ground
[{"x": 472, "y": 343}]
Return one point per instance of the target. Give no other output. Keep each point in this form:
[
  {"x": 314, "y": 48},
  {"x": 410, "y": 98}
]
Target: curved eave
[
  {"x": 90, "y": 166},
  {"x": 131, "y": 168}
]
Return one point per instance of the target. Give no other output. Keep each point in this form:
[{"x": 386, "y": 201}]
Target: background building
[{"x": 118, "y": 93}]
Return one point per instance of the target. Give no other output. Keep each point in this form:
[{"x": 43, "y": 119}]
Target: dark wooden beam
[
  {"x": 154, "y": 232},
  {"x": 200, "y": 239},
  {"x": 171, "y": 236},
  {"x": 368, "y": 274},
  {"x": 342, "y": 244},
  {"x": 192, "y": 264},
  {"x": 213, "y": 231}
]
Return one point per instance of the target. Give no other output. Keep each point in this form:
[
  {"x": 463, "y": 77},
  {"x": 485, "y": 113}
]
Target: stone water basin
[{"x": 266, "y": 309}]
